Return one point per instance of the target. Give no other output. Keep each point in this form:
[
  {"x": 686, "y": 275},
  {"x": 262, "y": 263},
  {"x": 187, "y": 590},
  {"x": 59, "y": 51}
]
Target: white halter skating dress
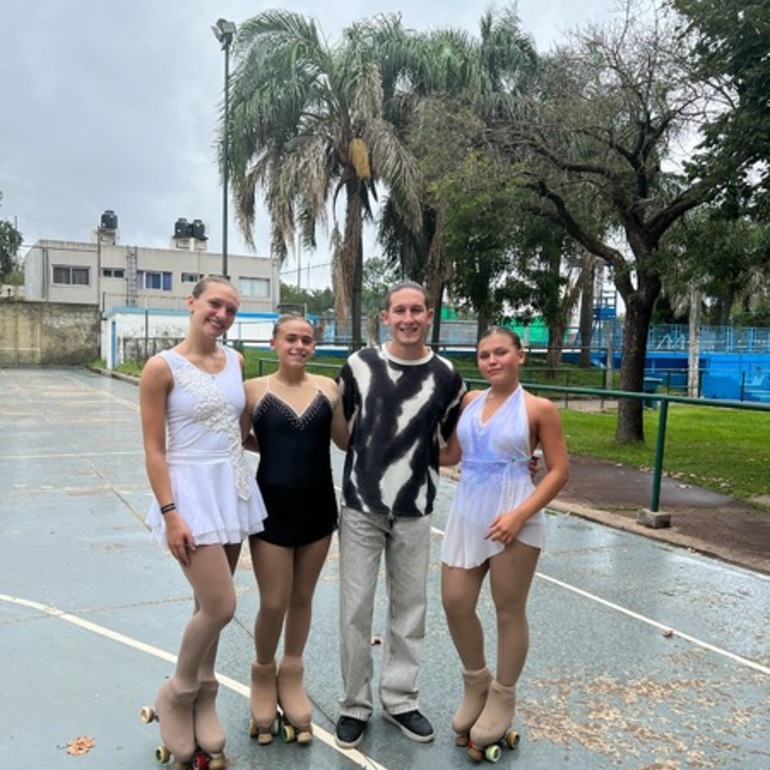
[{"x": 494, "y": 478}]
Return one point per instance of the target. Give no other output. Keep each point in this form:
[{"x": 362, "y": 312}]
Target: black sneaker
[
  {"x": 349, "y": 732},
  {"x": 413, "y": 725}
]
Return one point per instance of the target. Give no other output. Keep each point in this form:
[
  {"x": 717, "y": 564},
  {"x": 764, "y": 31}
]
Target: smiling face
[
  {"x": 293, "y": 341},
  {"x": 214, "y": 308},
  {"x": 499, "y": 357},
  {"x": 408, "y": 318}
]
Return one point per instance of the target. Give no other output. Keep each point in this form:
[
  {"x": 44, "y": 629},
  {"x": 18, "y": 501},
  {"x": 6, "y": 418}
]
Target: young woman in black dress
[{"x": 294, "y": 415}]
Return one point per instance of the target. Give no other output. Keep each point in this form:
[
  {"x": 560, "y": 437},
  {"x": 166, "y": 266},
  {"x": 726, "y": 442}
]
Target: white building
[{"x": 110, "y": 275}]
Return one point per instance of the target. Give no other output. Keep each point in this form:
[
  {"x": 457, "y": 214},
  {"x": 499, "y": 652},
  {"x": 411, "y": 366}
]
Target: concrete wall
[{"x": 45, "y": 333}]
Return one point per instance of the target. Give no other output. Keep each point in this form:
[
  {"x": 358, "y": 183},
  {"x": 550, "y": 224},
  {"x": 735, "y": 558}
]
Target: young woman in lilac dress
[{"x": 496, "y": 528}]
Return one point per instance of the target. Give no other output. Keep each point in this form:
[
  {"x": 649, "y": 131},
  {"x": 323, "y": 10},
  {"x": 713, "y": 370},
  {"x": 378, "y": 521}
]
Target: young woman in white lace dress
[
  {"x": 206, "y": 502},
  {"x": 496, "y": 528}
]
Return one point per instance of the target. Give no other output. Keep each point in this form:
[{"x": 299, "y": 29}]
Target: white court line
[
  {"x": 361, "y": 759},
  {"x": 81, "y": 453},
  {"x": 649, "y": 621},
  {"x": 636, "y": 616}
]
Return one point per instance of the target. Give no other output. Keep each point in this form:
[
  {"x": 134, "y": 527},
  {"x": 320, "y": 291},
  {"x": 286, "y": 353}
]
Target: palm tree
[{"x": 306, "y": 124}]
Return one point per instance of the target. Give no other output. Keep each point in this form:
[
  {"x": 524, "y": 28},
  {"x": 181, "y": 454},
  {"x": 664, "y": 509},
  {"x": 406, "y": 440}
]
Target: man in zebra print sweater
[{"x": 401, "y": 400}]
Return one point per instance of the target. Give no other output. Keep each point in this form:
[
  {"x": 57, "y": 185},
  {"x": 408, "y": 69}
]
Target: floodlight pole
[{"x": 224, "y": 31}]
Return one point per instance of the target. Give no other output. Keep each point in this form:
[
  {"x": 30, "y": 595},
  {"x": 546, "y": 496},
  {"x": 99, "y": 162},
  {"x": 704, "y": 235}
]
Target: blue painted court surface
[{"x": 642, "y": 657}]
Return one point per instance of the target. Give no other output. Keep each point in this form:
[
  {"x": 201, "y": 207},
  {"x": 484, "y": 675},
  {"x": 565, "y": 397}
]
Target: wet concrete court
[{"x": 642, "y": 656}]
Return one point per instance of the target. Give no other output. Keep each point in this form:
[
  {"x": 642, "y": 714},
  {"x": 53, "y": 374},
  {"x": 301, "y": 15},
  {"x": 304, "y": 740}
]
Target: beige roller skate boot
[
  {"x": 297, "y": 714},
  {"x": 264, "y": 702},
  {"x": 492, "y": 730},
  {"x": 209, "y": 733},
  {"x": 475, "y": 687},
  {"x": 174, "y": 709}
]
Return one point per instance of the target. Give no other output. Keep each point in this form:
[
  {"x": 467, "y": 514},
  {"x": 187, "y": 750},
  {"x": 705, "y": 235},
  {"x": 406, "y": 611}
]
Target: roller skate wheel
[
  {"x": 163, "y": 755},
  {"x": 493, "y": 753},
  {"x": 218, "y": 762},
  {"x": 263, "y": 736},
  {"x": 462, "y": 740},
  {"x": 200, "y": 761},
  {"x": 475, "y": 754},
  {"x": 512, "y": 739},
  {"x": 288, "y": 734},
  {"x": 148, "y": 714},
  {"x": 305, "y": 736}
]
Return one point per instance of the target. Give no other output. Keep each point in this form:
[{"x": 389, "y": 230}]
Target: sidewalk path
[{"x": 701, "y": 520}]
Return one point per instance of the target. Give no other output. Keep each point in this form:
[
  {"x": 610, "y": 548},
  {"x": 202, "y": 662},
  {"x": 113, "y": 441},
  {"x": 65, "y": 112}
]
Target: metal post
[
  {"x": 226, "y": 167},
  {"x": 659, "y": 448},
  {"x": 224, "y": 31}
]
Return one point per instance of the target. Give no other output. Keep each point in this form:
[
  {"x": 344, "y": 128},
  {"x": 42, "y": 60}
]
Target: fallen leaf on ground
[{"x": 80, "y": 745}]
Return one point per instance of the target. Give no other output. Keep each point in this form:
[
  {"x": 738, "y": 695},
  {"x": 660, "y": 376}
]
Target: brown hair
[
  {"x": 512, "y": 335},
  {"x": 286, "y": 317},
  {"x": 207, "y": 280},
  {"x": 406, "y": 285}
]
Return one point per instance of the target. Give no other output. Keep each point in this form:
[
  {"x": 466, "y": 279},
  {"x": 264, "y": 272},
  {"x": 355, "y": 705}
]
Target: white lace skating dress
[
  {"x": 214, "y": 490},
  {"x": 494, "y": 478}
]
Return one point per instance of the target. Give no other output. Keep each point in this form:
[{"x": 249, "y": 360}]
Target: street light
[{"x": 224, "y": 32}]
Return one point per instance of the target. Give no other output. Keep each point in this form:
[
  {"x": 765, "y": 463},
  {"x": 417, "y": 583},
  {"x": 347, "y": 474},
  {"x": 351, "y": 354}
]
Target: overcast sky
[{"x": 113, "y": 105}]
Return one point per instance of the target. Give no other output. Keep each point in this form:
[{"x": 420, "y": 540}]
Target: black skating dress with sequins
[{"x": 294, "y": 472}]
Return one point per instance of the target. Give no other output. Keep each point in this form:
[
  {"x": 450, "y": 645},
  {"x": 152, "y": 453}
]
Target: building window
[
  {"x": 254, "y": 287},
  {"x": 113, "y": 272},
  {"x": 153, "y": 279},
  {"x": 191, "y": 277},
  {"x": 69, "y": 275}
]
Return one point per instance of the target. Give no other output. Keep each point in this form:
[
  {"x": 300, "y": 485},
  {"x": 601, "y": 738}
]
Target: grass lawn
[{"x": 726, "y": 450}]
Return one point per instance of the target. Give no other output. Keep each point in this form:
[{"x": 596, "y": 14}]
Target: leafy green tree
[
  {"x": 728, "y": 258},
  {"x": 611, "y": 108},
  {"x": 10, "y": 243},
  {"x": 732, "y": 40},
  {"x": 478, "y": 235},
  {"x": 379, "y": 276},
  {"x": 306, "y": 125},
  {"x": 313, "y": 301},
  {"x": 440, "y": 134},
  {"x": 443, "y": 84},
  {"x": 551, "y": 272}
]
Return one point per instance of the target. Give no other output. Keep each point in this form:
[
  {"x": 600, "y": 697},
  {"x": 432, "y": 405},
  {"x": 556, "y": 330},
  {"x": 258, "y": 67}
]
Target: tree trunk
[
  {"x": 556, "y": 331},
  {"x": 482, "y": 323},
  {"x": 436, "y": 303},
  {"x": 437, "y": 274},
  {"x": 353, "y": 259},
  {"x": 587, "y": 315},
  {"x": 339, "y": 286},
  {"x": 639, "y": 306}
]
